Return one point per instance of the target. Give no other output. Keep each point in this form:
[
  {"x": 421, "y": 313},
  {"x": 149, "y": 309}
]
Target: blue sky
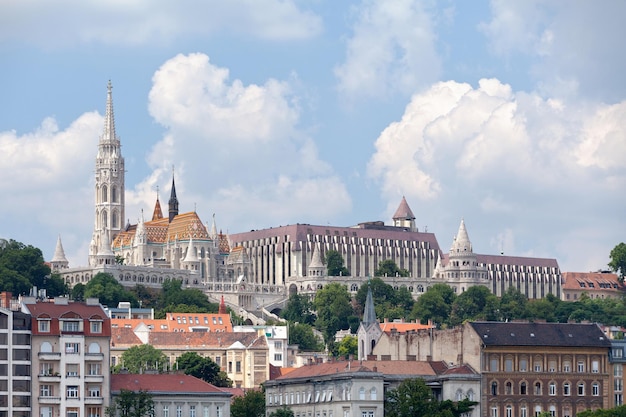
[{"x": 510, "y": 115}]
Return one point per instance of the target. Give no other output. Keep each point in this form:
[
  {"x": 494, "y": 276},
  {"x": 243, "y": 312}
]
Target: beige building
[
  {"x": 594, "y": 284},
  {"x": 243, "y": 356},
  {"x": 70, "y": 357}
]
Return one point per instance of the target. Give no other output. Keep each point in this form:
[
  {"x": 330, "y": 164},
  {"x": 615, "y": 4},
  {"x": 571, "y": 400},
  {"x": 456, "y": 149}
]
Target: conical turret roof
[
  {"x": 59, "y": 253},
  {"x": 369, "y": 315},
  {"x": 404, "y": 211},
  {"x": 461, "y": 242}
]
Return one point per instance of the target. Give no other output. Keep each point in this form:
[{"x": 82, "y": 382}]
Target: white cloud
[
  {"x": 137, "y": 22},
  {"x": 47, "y": 180},
  {"x": 510, "y": 161},
  {"x": 237, "y": 149},
  {"x": 391, "y": 50},
  {"x": 572, "y": 45}
]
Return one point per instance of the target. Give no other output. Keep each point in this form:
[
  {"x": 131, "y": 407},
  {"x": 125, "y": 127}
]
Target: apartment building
[
  {"x": 70, "y": 357},
  {"x": 15, "y": 361}
]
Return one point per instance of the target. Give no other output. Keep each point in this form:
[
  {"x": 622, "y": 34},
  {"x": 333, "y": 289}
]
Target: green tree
[
  {"x": 251, "y": 404},
  {"x": 21, "y": 267},
  {"x": 618, "y": 260},
  {"x": 513, "y": 305},
  {"x": 334, "y": 264},
  {"x": 141, "y": 358},
  {"x": 388, "y": 268},
  {"x": 349, "y": 345},
  {"x": 413, "y": 398},
  {"x": 298, "y": 309},
  {"x": 476, "y": 303},
  {"x": 55, "y": 286},
  {"x": 282, "y": 412},
  {"x": 333, "y": 307},
  {"x": 78, "y": 292},
  {"x": 108, "y": 290},
  {"x": 302, "y": 334},
  {"x": 388, "y": 303},
  {"x": 435, "y": 304},
  {"x": 176, "y": 299},
  {"x": 203, "y": 368},
  {"x": 131, "y": 404}
]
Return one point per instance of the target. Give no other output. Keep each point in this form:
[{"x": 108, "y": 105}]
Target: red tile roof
[
  {"x": 166, "y": 383},
  {"x": 54, "y": 310},
  {"x": 582, "y": 280}
]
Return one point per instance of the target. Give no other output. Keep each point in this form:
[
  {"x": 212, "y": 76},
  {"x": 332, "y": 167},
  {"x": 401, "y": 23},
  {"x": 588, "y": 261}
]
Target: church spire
[
  {"x": 173, "y": 203},
  {"x": 369, "y": 315},
  {"x": 59, "y": 261},
  {"x": 108, "y": 135},
  {"x": 461, "y": 243}
]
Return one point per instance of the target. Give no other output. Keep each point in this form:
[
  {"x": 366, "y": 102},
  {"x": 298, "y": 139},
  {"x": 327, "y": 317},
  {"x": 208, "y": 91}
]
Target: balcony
[
  {"x": 50, "y": 377},
  {"x": 94, "y": 356},
  {"x": 49, "y": 356},
  {"x": 94, "y": 378},
  {"x": 49, "y": 400},
  {"x": 93, "y": 400}
]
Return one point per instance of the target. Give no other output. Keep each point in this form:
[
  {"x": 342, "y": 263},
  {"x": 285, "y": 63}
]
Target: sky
[{"x": 510, "y": 115}]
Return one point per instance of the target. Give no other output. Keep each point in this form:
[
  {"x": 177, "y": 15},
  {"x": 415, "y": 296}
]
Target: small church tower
[
  {"x": 369, "y": 330},
  {"x": 173, "y": 202},
  {"x": 404, "y": 217},
  {"x": 109, "y": 186},
  {"x": 59, "y": 261}
]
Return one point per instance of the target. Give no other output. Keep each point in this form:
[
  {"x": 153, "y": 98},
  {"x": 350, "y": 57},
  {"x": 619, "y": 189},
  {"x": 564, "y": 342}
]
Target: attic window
[
  {"x": 532, "y": 335},
  {"x": 582, "y": 284},
  {"x": 512, "y": 334}
]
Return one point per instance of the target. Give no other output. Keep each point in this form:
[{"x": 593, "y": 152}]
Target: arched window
[
  {"x": 373, "y": 394},
  {"x": 537, "y": 388},
  {"x": 94, "y": 347},
  {"x": 494, "y": 388},
  {"x": 114, "y": 194},
  {"x": 522, "y": 388},
  {"x": 361, "y": 393},
  {"x": 552, "y": 388},
  {"x": 46, "y": 347},
  {"x": 105, "y": 223},
  {"x": 114, "y": 219},
  {"x": 509, "y": 388},
  {"x": 459, "y": 395},
  {"x": 470, "y": 395},
  {"x": 105, "y": 193}
]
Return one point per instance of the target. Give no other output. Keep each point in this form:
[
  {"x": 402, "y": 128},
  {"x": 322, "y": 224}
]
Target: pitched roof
[
  {"x": 403, "y": 211},
  {"x": 591, "y": 281},
  {"x": 190, "y": 340},
  {"x": 174, "y": 322},
  {"x": 403, "y": 327},
  {"x": 54, "y": 310},
  {"x": 540, "y": 334},
  {"x": 163, "y": 383},
  {"x": 346, "y": 367}
]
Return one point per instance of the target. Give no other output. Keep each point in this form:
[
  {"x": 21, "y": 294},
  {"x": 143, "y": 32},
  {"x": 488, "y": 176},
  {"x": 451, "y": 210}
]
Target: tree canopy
[
  {"x": 251, "y": 404},
  {"x": 618, "y": 260},
  {"x": 108, "y": 290},
  {"x": 413, "y": 398},
  {"x": 389, "y": 303},
  {"x": 333, "y": 307},
  {"x": 298, "y": 309},
  {"x": 388, "y": 268},
  {"x": 141, "y": 358},
  {"x": 131, "y": 404},
  {"x": 203, "y": 368},
  {"x": 302, "y": 334},
  {"x": 284, "y": 411},
  {"x": 335, "y": 264},
  {"x": 22, "y": 267},
  {"x": 435, "y": 304}
]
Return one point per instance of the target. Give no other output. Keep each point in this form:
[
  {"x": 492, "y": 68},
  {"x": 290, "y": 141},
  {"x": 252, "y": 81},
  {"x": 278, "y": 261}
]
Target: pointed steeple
[
  {"x": 369, "y": 313},
  {"x": 173, "y": 203},
  {"x": 461, "y": 243},
  {"x": 191, "y": 256},
  {"x": 404, "y": 217},
  {"x": 59, "y": 261},
  {"x": 108, "y": 135},
  {"x": 213, "y": 229},
  {"x": 157, "y": 213}
]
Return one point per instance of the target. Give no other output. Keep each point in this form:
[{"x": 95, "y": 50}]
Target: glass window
[
  {"x": 618, "y": 352},
  {"x": 72, "y": 391},
  {"x": 522, "y": 388},
  {"x": 523, "y": 365},
  {"x": 567, "y": 366},
  {"x": 71, "y": 325},
  {"x": 509, "y": 411},
  {"x": 566, "y": 389},
  {"x": 166, "y": 411},
  {"x": 494, "y": 411},
  {"x": 581, "y": 366},
  {"x": 179, "y": 411},
  {"x": 618, "y": 370},
  {"x": 44, "y": 326},
  {"x": 537, "y": 388},
  {"x": 494, "y": 388},
  {"x": 581, "y": 388},
  {"x": 72, "y": 348},
  {"x": 45, "y": 391},
  {"x": 192, "y": 411},
  {"x": 552, "y": 388},
  {"x": 523, "y": 411},
  {"x": 508, "y": 365},
  {"x": 595, "y": 389},
  {"x": 493, "y": 364},
  {"x": 96, "y": 327},
  {"x": 595, "y": 366}
]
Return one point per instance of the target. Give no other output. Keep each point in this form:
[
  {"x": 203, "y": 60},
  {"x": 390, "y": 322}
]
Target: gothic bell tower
[{"x": 109, "y": 189}]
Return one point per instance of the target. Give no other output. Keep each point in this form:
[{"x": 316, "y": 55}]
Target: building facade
[
  {"x": 594, "y": 284},
  {"x": 70, "y": 357},
  {"x": 16, "y": 399},
  {"x": 175, "y": 395}
]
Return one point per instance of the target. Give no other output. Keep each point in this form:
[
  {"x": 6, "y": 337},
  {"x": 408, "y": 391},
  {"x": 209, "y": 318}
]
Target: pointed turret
[
  {"x": 213, "y": 229},
  {"x": 108, "y": 134},
  {"x": 316, "y": 267},
  {"x": 369, "y": 313},
  {"x": 157, "y": 214},
  {"x": 461, "y": 242},
  {"x": 173, "y": 203},
  {"x": 191, "y": 256},
  {"x": 59, "y": 261},
  {"x": 404, "y": 217}
]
